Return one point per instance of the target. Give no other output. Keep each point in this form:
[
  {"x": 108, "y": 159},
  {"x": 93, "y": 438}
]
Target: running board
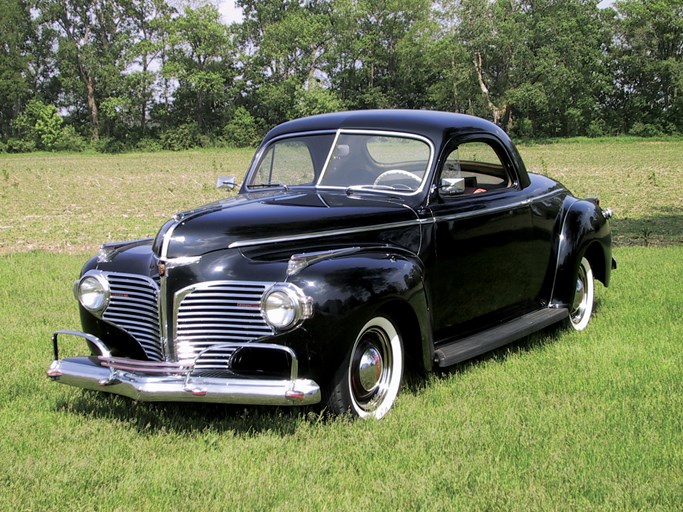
[{"x": 480, "y": 343}]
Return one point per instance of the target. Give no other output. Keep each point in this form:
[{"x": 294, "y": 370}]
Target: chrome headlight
[
  {"x": 93, "y": 292},
  {"x": 284, "y": 305}
]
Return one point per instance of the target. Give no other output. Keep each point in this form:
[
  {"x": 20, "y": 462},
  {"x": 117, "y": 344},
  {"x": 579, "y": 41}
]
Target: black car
[{"x": 359, "y": 243}]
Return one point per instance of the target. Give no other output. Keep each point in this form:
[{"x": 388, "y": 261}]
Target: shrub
[
  {"x": 241, "y": 131},
  {"x": 148, "y": 144},
  {"x": 185, "y": 136},
  {"x": 109, "y": 145},
  {"x": 645, "y": 130},
  {"x": 70, "y": 140},
  {"x": 20, "y": 145},
  {"x": 597, "y": 128}
]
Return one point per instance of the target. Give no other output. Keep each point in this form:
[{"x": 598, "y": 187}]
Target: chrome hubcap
[{"x": 370, "y": 369}]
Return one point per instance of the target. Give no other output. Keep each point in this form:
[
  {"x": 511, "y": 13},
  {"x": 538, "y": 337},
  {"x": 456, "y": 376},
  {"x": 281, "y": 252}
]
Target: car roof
[{"x": 432, "y": 124}]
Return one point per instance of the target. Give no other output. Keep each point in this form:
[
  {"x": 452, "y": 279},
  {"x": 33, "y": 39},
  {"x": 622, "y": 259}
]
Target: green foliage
[
  {"x": 20, "y": 145},
  {"x": 315, "y": 100},
  {"x": 41, "y": 127},
  {"x": 185, "y": 136},
  {"x": 649, "y": 68},
  {"x": 15, "y": 88},
  {"x": 640, "y": 129},
  {"x": 148, "y": 144},
  {"x": 241, "y": 131},
  {"x": 132, "y": 69}
]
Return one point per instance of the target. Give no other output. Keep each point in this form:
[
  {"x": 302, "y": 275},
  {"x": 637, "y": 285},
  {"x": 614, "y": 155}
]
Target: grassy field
[
  {"x": 74, "y": 202},
  {"x": 560, "y": 421}
]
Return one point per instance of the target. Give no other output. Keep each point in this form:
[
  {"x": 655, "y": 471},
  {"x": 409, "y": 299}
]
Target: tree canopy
[{"x": 120, "y": 74}]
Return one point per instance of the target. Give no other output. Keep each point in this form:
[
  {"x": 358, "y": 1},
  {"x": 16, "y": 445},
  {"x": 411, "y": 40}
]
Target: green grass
[
  {"x": 74, "y": 202},
  {"x": 641, "y": 180},
  {"x": 560, "y": 421}
]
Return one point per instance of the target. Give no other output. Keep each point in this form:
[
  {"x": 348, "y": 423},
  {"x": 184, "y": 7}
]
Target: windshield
[{"x": 348, "y": 159}]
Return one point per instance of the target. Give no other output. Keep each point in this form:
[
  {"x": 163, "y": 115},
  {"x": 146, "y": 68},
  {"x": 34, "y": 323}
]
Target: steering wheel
[{"x": 397, "y": 172}]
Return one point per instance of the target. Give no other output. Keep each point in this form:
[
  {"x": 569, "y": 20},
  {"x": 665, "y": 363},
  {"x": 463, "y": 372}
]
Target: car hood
[{"x": 250, "y": 220}]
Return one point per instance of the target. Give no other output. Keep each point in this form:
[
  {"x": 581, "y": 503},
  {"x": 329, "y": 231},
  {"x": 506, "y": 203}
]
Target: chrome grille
[
  {"x": 134, "y": 308},
  {"x": 218, "y": 312}
]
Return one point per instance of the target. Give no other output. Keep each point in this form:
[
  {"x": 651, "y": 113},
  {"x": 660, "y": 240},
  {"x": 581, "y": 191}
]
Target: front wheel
[
  {"x": 582, "y": 305},
  {"x": 367, "y": 383}
]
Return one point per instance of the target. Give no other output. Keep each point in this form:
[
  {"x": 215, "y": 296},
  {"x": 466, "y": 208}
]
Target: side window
[
  {"x": 473, "y": 168},
  {"x": 287, "y": 163}
]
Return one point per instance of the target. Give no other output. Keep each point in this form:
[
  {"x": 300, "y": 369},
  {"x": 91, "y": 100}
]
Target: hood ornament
[{"x": 165, "y": 265}]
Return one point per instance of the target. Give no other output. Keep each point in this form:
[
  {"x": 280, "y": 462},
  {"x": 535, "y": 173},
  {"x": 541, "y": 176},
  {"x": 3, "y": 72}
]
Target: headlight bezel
[
  {"x": 284, "y": 306},
  {"x": 96, "y": 280}
]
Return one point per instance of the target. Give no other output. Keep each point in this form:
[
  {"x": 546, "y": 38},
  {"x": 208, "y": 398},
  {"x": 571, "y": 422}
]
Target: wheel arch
[
  {"x": 350, "y": 289},
  {"x": 416, "y": 345},
  {"x": 584, "y": 232}
]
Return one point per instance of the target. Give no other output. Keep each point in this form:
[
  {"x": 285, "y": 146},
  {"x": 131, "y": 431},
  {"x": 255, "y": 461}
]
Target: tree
[
  {"x": 649, "y": 70},
  {"x": 370, "y": 39},
  {"x": 201, "y": 58},
  {"x": 285, "y": 51},
  {"x": 15, "y": 29},
  {"x": 91, "y": 36},
  {"x": 150, "y": 20}
]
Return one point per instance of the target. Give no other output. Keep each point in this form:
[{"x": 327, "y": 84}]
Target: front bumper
[{"x": 170, "y": 382}]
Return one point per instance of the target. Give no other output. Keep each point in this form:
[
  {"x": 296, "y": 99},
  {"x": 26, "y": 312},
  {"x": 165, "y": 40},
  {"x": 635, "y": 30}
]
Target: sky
[{"x": 228, "y": 11}]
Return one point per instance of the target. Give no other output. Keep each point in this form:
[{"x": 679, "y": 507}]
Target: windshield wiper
[
  {"x": 381, "y": 190},
  {"x": 275, "y": 184}
]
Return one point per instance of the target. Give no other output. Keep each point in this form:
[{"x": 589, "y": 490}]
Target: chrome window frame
[{"x": 337, "y": 133}]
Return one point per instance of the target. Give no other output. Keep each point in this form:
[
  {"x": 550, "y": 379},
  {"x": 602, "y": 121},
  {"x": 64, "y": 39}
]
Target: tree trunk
[
  {"x": 502, "y": 116},
  {"x": 92, "y": 106}
]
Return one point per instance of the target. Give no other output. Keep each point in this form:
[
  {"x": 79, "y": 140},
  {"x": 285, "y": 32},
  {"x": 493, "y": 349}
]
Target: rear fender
[{"x": 584, "y": 231}]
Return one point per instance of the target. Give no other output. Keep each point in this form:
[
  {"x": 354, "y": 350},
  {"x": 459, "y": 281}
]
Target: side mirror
[
  {"x": 452, "y": 186},
  {"x": 226, "y": 182}
]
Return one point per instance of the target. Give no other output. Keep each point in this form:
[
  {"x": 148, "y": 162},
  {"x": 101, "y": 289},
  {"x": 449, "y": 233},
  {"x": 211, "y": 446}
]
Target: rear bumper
[{"x": 167, "y": 382}]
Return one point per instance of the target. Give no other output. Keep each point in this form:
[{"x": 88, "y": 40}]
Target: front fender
[
  {"x": 584, "y": 231},
  {"x": 347, "y": 291}
]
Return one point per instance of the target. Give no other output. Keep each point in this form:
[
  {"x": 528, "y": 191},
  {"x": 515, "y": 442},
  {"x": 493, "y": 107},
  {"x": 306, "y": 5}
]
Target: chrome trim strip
[
  {"x": 180, "y": 262},
  {"x": 320, "y": 234},
  {"x": 519, "y": 204},
  {"x": 546, "y": 195},
  {"x": 298, "y": 262},
  {"x": 164, "y": 342},
  {"x": 391, "y": 225}
]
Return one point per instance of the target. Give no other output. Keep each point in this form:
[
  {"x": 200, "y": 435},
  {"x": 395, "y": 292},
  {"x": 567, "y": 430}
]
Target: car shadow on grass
[
  {"x": 663, "y": 227},
  {"x": 187, "y": 418}
]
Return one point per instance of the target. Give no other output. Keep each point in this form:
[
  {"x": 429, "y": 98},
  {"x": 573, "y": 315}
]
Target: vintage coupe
[{"x": 359, "y": 243}]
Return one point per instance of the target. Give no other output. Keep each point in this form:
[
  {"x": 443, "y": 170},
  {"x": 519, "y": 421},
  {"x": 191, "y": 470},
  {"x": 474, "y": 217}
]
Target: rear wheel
[
  {"x": 367, "y": 383},
  {"x": 582, "y": 305}
]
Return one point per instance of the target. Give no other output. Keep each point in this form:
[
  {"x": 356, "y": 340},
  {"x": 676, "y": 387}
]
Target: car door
[{"x": 483, "y": 270}]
